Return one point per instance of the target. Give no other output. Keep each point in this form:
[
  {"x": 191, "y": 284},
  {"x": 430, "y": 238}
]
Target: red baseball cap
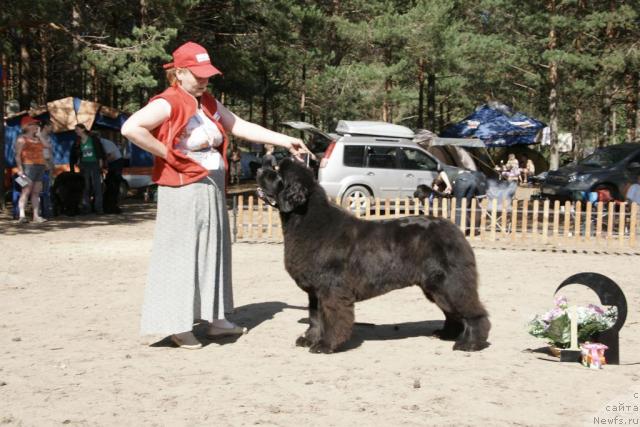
[
  {"x": 28, "y": 120},
  {"x": 194, "y": 57}
]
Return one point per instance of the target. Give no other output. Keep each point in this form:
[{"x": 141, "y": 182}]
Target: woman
[
  {"x": 185, "y": 128},
  {"x": 89, "y": 155},
  {"x": 31, "y": 164}
]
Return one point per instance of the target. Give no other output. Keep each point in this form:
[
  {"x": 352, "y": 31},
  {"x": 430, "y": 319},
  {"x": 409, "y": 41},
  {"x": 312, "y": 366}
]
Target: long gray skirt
[{"x": 190, "y": 269}]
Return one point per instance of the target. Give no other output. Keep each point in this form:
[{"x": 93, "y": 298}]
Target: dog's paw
[
  {"x": 320, "y": 348},
  {"x": 302, "y": 341},
  {"x": 470, "y": 345},
  {"x": 447, "y": 334}
]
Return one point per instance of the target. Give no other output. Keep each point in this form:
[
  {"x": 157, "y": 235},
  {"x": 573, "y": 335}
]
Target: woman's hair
[
  {"x": 170, "y": 73},
  {"x": 44, "y": 123}
]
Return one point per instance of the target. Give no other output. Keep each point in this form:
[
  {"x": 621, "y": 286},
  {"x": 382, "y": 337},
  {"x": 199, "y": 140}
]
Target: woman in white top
[{"x": 190, "y": 271}]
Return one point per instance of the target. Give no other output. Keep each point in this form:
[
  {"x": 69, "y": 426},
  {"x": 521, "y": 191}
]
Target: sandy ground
[{"x": 70, "y": 298}]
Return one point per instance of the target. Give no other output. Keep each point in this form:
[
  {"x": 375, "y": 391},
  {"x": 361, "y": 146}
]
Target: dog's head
[{"x": 286, "y": 188}]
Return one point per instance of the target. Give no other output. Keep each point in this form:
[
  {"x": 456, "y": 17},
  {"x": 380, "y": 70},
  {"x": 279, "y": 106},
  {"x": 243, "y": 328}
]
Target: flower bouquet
[{"x": 555, "y": 325}]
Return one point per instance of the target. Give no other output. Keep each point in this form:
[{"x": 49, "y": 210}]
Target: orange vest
[
  {"x": 32, "y": 152},
  {"x": 178, "y": 169}
]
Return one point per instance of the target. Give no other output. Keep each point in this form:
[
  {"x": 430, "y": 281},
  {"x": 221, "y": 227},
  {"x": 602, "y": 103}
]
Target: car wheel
[{"x": 355, "y": 198}]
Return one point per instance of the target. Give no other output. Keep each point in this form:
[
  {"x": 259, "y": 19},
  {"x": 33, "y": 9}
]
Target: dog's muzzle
[{"x": 264, "y": 196}]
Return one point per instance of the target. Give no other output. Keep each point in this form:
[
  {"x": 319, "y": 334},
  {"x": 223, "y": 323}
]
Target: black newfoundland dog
[{"x": 339, "y": 260}]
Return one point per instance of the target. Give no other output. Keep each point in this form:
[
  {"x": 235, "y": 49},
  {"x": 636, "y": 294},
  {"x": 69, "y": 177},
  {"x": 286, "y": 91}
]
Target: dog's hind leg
[
  {"x": 465, "y": 317},
  {"x": 313, "y": 334},
  {"x": 336, "y": 322},
  {"x": 453, "y": 325}
]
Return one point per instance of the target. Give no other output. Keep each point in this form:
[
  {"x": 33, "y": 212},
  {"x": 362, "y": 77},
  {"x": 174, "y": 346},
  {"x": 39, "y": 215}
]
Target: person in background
[
  {"x": 269, "y": 160},
  {"x": 115, "y": 165},
  {"x": 44, "y": 134},
  {"x": 31, "y": 164},
  {"x": 527, "y": 170},
  {"x": 87, "y": 152},
  {"x": 185, "y": 128},
  {"x": 235, "y": 166}
]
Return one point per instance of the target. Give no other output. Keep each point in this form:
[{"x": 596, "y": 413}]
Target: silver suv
[{"x": 374, "y": 159}]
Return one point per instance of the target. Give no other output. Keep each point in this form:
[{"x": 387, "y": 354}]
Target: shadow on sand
[{"x": 249, "y": 316}]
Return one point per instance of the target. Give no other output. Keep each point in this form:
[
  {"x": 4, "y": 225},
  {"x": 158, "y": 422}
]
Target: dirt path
[{"x": 70, "y": 297}]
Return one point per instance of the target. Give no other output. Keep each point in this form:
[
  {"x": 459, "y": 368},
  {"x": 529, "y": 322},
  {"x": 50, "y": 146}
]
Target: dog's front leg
[
  {"x": 313, "y": 334},
  {"x": 336, "y": 316}
]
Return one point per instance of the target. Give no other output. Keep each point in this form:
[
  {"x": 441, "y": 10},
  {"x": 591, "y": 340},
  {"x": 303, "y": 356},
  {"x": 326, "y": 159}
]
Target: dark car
[{"x": 612, "y": 168}]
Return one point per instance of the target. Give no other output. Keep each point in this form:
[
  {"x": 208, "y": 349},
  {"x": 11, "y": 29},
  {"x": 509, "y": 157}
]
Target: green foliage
[{"x": 355, "y": 59}]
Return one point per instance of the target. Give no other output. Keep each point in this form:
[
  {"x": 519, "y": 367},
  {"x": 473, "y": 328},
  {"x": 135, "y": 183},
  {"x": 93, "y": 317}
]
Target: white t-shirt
[
  {"x": 110, "y": 149},
  {"x": 199, "y": 139}
]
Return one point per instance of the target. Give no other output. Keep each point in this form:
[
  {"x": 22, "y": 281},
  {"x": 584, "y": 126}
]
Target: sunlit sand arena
[{"x": 70, "y": 297}]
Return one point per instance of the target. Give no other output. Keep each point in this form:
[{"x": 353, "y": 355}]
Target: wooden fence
[{"x": 528, "y": 222}]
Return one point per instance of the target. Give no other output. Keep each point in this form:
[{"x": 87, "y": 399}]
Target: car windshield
[{"x": 607, "y": 156}]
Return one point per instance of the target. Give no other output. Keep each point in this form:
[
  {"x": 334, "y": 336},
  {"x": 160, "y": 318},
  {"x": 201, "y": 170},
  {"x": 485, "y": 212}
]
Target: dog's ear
[{"x": 293, "y": 194}]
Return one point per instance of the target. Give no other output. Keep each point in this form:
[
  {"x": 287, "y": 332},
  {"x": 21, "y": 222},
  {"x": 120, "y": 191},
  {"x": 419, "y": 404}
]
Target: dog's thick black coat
[
  {"x": 339, "y": 259},
  {"x": 67, "y": 193}
]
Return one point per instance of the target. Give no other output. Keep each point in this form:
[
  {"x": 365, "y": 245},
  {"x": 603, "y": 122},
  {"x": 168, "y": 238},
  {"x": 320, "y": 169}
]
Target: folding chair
[{"x": 503, "y": 192}]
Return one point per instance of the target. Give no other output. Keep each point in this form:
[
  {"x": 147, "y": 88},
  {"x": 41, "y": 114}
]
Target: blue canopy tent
[
  {"x": 497, "y": 126},
  {"x": 62, "y": 141}
]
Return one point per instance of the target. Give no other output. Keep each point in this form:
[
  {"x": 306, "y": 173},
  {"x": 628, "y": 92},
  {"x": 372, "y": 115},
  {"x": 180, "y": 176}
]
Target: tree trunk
[
  {"x": 3, "y": 71},
  {"x": 431, "y": 101},
  {"x": 578, "y": 147},
  {"x": 265, "y": 100},
  {"x": 637, "y": 89},
  {"x": 631, "y": 104},
  {"x": 441, "y": 117},
  {"x": 143, "y": 12},
  {"x": 25, "y": 77},
  {"x": 420, "y": 124},
  {"x": 43, "y": 86},
  {"x": 386, "y": 115},
  {"x": 303, "y": 93},
  {"x": 605, "y": 138},
  {"x": 554, "y": 158}
]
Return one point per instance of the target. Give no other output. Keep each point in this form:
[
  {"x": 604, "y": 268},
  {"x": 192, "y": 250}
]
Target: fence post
[
  {"x": 377, "y": 207},
  {"x": 525, "y": 218},
  {"x": 599, "y": 221},
  {"x": 416, "y": 206},
  {"x": 367, "y": 208},
  {"x": 556, "y": 220},
  {"x": 472, "y": 222},
  {"x": 588, "y": 221},
  {"x": 611, "y": 214},
  {"x": 463, "y": 214},
  {"x": 577, "y": 221},
  {"x": 445, "y": 211},
  {"x": 453, "y": 210},
  {"x": 234, "y": 232},
  {"x": 621, "y": 224},
  {"x": 534, "y": 225},
  {"x": 545, "y": 221},
  {"x": 483, "y": 218},
  {"x": 241, "y": 216},
  {"x": 503, "y": 217},
  {"x": 567, "y": 219},
  {"x": 434, "y": 208},
  {"x": 250, "y": 225},
  {"x": 260, "y": 217},
  {"x": 514, "y": 219},
  {"x": 633, "y": 224},
  {"x": 494, "y": 213}
]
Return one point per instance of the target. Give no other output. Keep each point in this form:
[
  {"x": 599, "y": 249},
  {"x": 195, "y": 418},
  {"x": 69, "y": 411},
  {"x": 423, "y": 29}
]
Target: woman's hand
[{"x": 298, "y": 148}]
